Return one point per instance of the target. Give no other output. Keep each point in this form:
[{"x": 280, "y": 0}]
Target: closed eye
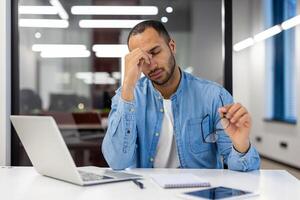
[
  {"x": 155, "y": 53},
  {"x": 155, "y": 50}
]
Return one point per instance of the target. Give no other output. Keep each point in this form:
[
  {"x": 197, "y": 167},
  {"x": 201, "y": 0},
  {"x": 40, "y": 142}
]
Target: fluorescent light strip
[
  {"x": 44, "y": 23},
  {"x": 106, "y": 81},
  {"x": 37, "y": 10},
  {"x": 116, "y": 75},
  {"x": 291, "y": 22},
  {"x": 57, "y": 47},
  {"x": 60, "y": 9},
  {"x": 110, "y": 50},
  {"x": 114, "y": 10},
  {"x": 66, "y": 54},
  {"x": 95, "y": 77},
  {"x": 108, "y": 23},
  {"x": 91, "y": 75},
  {"x": 267, "y": 33},
  {"x": 243, "y": 44}
]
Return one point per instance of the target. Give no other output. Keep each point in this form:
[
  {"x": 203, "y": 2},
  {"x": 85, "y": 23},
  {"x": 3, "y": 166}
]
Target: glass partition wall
[{"x": 71, "y": 57}]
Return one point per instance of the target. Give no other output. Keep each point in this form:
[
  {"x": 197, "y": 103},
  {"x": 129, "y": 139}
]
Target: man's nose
[{"x": 152, "y": 64}]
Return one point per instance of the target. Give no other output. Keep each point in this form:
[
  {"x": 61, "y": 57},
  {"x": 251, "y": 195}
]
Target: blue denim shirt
[{"x": 134, "y": 127}]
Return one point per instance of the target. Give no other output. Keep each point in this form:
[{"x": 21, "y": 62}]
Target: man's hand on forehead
[{"x": 142, "y": 56}]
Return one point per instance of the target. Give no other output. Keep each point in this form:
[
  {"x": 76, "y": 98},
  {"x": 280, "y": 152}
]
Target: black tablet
[{"x": 219, "y": 193}]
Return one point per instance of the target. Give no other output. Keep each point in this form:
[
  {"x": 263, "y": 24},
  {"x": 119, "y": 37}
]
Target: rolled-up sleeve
[
  {"x": 119, "y": 144},
  {"x": 244, "y": 162}
]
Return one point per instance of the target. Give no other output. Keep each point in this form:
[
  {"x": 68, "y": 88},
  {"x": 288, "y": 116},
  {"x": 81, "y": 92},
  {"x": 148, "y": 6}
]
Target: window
[{"x": 280, "y": 62}]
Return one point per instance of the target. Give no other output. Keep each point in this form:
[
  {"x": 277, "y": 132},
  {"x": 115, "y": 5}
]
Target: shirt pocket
[{"x": 197, "y": 129}]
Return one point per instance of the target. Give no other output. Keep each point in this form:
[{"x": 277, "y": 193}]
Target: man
[{"x": 167, "y": 118}]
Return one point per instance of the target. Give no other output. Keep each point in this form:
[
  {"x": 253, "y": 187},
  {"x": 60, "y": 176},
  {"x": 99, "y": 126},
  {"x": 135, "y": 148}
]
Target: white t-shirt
[{"x": 166, "y": 152}]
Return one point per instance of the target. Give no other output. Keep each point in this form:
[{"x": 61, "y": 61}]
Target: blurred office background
[{"x": 69, "y": 61}]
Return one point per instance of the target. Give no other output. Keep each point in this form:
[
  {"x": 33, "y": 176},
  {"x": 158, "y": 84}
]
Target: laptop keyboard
[
  {"x": 88, "y": 176},
  {"x": 120, "y": 175}
]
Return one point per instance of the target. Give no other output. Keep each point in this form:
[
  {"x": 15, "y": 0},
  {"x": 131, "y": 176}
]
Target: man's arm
[
  {"x": 233, "y": 143},
  {"x": 119, "y": 144}
]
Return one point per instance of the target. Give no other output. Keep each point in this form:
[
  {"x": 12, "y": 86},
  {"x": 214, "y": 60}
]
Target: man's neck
[{"x": 171, "y": 86}]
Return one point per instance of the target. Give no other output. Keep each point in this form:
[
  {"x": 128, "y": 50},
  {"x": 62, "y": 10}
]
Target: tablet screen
[{"x": 218, "y": 193}]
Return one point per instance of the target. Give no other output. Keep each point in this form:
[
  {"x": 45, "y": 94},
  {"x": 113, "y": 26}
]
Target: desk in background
[{"x": 23, "y": 183}]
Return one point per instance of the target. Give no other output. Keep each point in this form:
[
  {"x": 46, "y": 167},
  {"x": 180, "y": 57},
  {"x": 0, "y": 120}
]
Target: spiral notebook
[{"x": 179, "y": 180}]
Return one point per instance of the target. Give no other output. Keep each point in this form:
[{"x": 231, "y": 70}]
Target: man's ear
[{"x": 172, "y": 46}]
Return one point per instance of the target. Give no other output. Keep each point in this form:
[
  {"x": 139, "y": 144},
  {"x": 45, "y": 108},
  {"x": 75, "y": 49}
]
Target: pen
[{"x": 139, "y": 184}]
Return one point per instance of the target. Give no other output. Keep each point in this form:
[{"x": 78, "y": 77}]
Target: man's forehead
[
  {"x": 146, "y": 47},
  {"x": 145, "y": 40}
]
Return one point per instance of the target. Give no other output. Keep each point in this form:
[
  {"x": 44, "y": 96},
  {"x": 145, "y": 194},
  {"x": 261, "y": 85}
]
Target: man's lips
[{"x": 156, "y": 73}]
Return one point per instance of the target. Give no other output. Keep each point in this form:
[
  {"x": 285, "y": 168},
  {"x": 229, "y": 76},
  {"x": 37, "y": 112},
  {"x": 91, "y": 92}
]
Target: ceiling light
[
  {"x": 116, "y": 75},
  {"x": 83, "y": 75},
  {"x": 110, "y": 50},
  {"x": 267, "y": 33},
  {"x": 65, "y": 54},
  {"x": 291, "y": 22},
  {"x": 44, "y": 23},
  {"x": 243, "y": 44},
  {"x": 164, "y": 19},
  {"x": 95, "y": 77},
  {"x": 38, "y": 10},
  {"x": 106, "y": 81},
  {"x": 114, "y": 10},
  {"x": 60, "y": 9},
  {"x": 169, "y": 9},
  {"x": 57, "y": 47},
  {"x": 108, "y": 23},
  {"x": 38, "y": 35}
]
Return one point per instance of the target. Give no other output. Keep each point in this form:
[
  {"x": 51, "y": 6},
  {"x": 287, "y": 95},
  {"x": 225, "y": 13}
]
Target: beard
[{"x": 169, "y": 71}]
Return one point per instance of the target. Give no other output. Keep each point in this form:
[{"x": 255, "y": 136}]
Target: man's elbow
[{"x": 115, "y": 160}]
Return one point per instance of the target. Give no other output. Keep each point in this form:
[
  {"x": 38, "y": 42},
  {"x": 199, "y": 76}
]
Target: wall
[
  {"x": 249, "y": 85},
  {"x": 207, "y": 36},
  {"x": 4, "y": 82}
]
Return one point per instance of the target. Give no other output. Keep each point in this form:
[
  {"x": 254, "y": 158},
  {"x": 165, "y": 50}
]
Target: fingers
[
  {"x": 133, "y": 65},
  {"x": 245, "y": 120},
  {"x": 142, "y": 58},
  {"x": 224, "y": 110},
  {"x": 139, "y": 56},
  {"x": 236, "y": 113}
]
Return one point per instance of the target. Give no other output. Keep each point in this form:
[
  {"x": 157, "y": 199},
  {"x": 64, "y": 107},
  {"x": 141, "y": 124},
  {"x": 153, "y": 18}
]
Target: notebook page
[{"x": 179, "y": 180}]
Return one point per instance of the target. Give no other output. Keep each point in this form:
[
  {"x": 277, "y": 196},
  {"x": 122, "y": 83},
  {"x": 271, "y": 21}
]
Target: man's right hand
[{"x": 133, "y": 69}]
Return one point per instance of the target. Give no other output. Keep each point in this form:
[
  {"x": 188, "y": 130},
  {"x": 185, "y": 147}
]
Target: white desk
[{"x": 25, "y": 183}]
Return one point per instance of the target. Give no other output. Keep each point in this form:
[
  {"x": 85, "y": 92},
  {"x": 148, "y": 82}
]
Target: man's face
[{"x": 161, "y": 54}]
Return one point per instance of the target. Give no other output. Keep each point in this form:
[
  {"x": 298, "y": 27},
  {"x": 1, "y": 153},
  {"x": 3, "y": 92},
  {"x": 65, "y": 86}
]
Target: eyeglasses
[{"x": 220, "y": 125}]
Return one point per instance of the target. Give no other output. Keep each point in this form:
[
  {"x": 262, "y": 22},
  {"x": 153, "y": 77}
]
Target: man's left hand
[{"x": 240, "y": 125}]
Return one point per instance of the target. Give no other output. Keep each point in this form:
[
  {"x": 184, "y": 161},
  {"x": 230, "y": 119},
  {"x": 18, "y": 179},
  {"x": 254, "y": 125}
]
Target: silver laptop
[{"x": 50, "y": 156}]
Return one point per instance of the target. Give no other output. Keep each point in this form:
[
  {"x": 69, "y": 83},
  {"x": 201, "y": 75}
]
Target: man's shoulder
[{"x": 198, "y": 82}]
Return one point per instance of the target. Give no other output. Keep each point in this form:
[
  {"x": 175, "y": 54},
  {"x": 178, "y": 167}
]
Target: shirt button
[
  {"x": 161, "y": 110},
  {"x": 157, "y": 134},
  {"x": 159, "y": 97},
  {"x": 151, "y": 159},
  {"x": 132, "y": 110}
]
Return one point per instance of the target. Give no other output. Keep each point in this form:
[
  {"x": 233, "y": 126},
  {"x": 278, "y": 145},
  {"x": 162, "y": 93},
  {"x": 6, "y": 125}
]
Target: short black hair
[{"x": 142, "y": 26}]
